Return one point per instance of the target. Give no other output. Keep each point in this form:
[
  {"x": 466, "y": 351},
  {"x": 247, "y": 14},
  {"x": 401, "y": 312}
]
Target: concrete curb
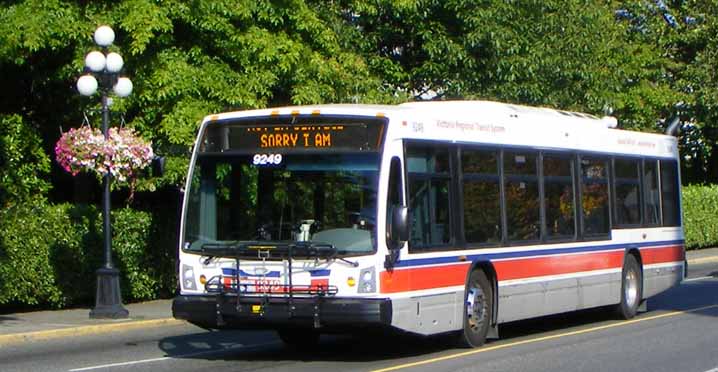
[
  {"x": 16, "y": 338},
  {"x": 702, "y": 260}
]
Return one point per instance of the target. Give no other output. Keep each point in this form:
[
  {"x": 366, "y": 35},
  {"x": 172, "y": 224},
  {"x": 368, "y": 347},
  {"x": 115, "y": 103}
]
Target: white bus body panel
[{"x": 440, "y": 309}]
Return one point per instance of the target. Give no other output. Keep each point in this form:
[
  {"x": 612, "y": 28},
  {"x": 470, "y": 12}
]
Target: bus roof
[
  {"x": 489, "y": 122},
  {"x": 457, "y": 108}
]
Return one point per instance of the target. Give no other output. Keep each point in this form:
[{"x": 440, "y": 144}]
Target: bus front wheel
[
  {"x": 631, "y": 288},
  {"x": 478, "y": 309}
]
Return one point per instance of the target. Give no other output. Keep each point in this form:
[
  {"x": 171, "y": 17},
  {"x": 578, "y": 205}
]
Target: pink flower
[{"x": 85, "y": 149}]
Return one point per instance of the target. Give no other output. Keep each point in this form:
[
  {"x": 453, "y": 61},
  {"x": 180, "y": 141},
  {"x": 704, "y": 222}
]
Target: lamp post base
[{"x": 108, "y": 299}]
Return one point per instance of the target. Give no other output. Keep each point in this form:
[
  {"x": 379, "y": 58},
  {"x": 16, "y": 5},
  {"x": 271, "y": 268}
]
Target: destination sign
[
  {"x": 277, "y": 137},
  {"x": 300, "y": 137}
]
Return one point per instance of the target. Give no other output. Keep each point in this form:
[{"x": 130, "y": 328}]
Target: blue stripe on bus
[
  {"x": 521, "y": 254},
  {"x": 233, "y": 272},
  {"x": 272, "y": 274}
]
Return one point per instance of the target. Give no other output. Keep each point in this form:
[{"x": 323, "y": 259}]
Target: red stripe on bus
[
  {"x": 418, "y": 278},
  {"x": 523, "y": 268},
  {"x": 674, "y": 253},
  {"x": 423, "y": 278}
]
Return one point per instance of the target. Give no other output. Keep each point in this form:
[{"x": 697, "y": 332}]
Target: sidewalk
[
  {"x": 44, "y": 325},
  {"x": 702, "y": 256}
]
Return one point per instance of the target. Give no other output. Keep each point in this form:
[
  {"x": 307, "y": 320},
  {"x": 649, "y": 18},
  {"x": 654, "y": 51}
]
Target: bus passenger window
[
  {"x": 558, "y": 197},
  {"x": 429, "y": 175},
  {"x": 482, "y": 200},
  {"x": 523, "y": 219},
  {"x": 669, "y": 193},
  {"x": 651, "y": 196},
  {"x": 627, "y": 190},
  {"x": 594, "y": 196}
]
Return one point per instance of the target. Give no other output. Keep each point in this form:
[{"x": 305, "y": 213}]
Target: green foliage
[
  {"x": 38, "y": 265},
  {"x": 24, "y": 165},
  {"x": 564, "y": 54},
  {"x": 187, "y": 60},
  {"x": 49, "y": 254},
  {"x": 700, "y": 215},
  {"x": 130, "y": 242},
  {"x": 36, "y": 25}
]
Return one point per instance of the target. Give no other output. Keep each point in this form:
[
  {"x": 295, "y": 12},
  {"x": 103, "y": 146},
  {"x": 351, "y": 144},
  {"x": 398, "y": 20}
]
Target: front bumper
[{"x": 325, "y": 313}]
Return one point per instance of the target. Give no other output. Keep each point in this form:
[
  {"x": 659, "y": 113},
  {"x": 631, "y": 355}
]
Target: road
[{"x": 678, "y": 333}]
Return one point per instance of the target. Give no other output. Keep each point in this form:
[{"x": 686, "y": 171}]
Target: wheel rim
[
  {"x": 631, "y": 288},
  {"x": 475, "y": 308}
]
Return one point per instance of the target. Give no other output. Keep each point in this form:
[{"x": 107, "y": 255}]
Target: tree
[
  {"x": 23, "y": 162},
  {"x": 187, "y": 60},
  {"x": 572, "y": 55}
]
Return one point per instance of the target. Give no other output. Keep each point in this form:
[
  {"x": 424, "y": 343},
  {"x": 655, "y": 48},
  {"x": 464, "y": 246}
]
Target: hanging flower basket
[{"x": 85, "y": 149}]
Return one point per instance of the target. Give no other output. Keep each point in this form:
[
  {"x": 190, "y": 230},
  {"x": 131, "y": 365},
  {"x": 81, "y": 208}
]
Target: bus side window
[
  {"x": 669, "y": 193},
  {"x": 627, "y": 190},
  {"x": 594, "y": 196},
  {"x": 482, "y": 196},
  {"x": 429, "y": 176},
  {"x": 651, "y": 196},
  {"x": 523, "y": 218},
  {"x": 559, "y": 201}
]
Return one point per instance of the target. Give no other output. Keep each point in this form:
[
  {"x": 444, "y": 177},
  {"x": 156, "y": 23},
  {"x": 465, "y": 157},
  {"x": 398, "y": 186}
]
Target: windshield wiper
[
  {"x": 273, "y": 249},
  {"x": 238, "y": 248},
  {"x": 323, "y": 250}
]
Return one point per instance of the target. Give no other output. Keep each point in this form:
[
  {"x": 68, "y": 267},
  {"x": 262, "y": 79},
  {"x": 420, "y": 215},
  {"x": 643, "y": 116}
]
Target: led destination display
[
  {"x": 299, "y": 136},
  {"x": 283, "y": 138}
]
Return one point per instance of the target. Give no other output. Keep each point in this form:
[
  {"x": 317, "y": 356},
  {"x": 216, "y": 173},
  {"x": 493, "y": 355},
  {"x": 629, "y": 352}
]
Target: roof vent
[{"x": 610, "y": 121}]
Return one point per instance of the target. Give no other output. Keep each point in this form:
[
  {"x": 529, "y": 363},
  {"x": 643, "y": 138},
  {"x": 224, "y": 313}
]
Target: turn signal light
[{"x": 351, "y": 281}]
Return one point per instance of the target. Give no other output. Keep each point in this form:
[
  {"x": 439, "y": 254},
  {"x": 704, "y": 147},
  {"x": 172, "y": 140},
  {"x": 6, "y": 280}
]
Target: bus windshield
[{"x": 322, "y": 198}]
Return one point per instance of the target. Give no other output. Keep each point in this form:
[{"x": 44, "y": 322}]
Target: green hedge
[
  {"x": 700, "y": 215},
  {"x": 49, "y": 254}
]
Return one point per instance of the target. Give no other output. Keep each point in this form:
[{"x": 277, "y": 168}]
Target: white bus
[{"x": 427, "y": 217}]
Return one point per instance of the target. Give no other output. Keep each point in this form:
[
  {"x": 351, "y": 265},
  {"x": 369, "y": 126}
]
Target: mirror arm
[{"x": 391, "y": 259}]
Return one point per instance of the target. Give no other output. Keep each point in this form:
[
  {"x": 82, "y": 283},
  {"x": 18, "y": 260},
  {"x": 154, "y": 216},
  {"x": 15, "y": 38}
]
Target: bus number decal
[{"x": 267, "y": 159}]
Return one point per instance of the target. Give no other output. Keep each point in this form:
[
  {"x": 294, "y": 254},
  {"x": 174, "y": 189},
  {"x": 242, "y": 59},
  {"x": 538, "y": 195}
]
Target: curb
[
  {"x": 16, "y": 338},
  {"x": 701, "y": 260}
]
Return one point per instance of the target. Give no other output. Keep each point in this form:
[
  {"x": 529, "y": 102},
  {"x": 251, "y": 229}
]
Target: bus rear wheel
[
  {"x": 478, "y": 309},
  {"x": 631, "y": 288}
]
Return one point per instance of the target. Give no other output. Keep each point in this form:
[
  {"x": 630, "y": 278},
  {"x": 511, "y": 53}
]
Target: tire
[
  {"x": 299, "y": 338},
  {"x": 631, "y": 288},
  {"x": 478, "y": 309}
]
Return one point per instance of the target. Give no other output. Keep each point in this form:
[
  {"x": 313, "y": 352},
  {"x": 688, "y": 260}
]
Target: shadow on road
[
  {"x": 689, "y": 295},
  {"x": 4, "y": 318},
  {"x": 266, "y": 346}
]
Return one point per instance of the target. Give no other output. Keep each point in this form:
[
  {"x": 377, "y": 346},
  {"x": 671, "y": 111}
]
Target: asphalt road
[{"x": 678, "y": 333}]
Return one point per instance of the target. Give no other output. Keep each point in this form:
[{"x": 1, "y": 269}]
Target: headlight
[
  {"x": 367, "y": 280},
  {"x": 188, "y": 277}
]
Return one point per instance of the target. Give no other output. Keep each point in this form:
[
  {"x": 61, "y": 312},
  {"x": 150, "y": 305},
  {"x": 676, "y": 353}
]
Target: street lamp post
[{"x": 106, "y": 67}]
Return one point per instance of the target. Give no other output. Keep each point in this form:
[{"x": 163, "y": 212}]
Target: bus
[{"x": 446, "y": 217}]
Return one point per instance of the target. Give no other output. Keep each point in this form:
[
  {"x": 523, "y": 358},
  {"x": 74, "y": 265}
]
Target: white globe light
[
  {"x": 104, "y": 36},
  {"x": 95, "y": 61},
  {"x": 87, "y": 85},
  {"x": 123, "y": 87},
  {"x": 114, "y": 62}
]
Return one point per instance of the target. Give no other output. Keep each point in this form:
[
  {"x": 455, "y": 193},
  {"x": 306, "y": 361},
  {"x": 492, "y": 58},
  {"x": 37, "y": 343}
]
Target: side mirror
[
  {"x": 158, "y": 166},
  {"x": 399, "y": 225}
]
